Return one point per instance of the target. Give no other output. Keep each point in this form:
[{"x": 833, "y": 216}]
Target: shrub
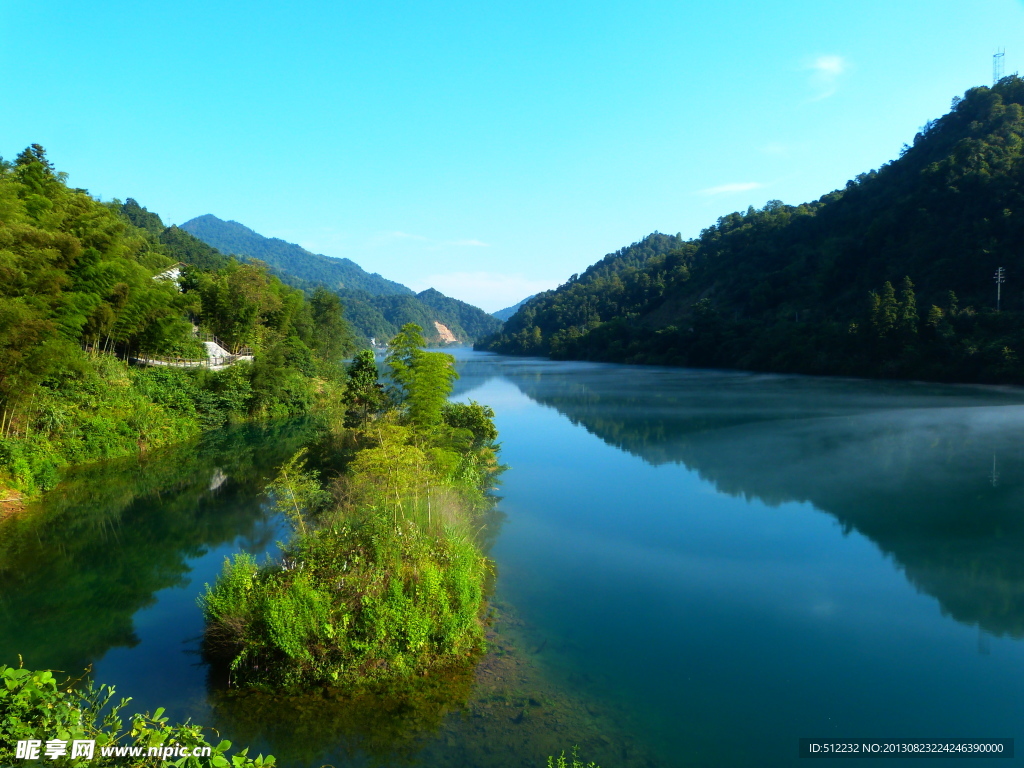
[
  {"x": 563, "y": 762},
  {"x": 348, "y": 604},
  {"x": 34, "y": 706}
]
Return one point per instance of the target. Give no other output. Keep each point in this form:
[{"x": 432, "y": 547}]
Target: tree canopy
[{"x": 85, "y": 286}]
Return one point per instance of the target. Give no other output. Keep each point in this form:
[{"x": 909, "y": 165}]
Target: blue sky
[{"x": 491, "y": 149}]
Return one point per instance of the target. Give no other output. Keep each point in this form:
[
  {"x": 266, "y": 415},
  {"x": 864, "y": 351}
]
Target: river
[{"x": 693, "y": 568}]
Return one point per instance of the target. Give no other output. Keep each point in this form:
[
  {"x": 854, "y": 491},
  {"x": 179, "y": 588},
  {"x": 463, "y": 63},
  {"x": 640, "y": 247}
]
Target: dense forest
[
  {"x": 377, "y": 308},
  {"x": 891, "y": 276},
  {"x": 81, "y": 296}
]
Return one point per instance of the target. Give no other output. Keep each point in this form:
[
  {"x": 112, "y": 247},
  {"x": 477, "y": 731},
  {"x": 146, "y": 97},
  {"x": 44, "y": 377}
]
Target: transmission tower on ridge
[{"x": 997, "y": 65}]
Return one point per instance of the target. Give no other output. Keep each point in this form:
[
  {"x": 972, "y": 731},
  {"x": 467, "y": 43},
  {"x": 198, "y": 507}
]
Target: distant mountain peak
[
  {"x": 507, "y": 312},
  {"x": 375, "y": 306},
  {"x": 233, "y": 237}
]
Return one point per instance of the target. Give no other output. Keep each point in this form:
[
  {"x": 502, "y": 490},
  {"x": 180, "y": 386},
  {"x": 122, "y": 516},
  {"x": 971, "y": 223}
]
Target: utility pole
[{"x": 1000, "y": 278}]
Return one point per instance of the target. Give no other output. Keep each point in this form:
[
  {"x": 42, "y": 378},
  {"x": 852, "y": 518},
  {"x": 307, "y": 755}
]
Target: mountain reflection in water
[{"x": 933, "y": 474}]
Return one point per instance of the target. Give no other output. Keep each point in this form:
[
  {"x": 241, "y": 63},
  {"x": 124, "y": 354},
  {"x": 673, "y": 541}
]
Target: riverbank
[
  {"x": 91, "y": 730},
  {"x": 12, "y": 503},
  {"x": 114, "y": 410}
]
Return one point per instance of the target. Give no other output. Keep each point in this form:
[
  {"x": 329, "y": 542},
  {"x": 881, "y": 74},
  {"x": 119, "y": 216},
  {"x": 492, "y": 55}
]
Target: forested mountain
[
  {"x": 890, "y": 276},
  {"x": 80, "y": 292},
  {"x": 377, "y": 308},
  {"x": 474, "y": 322},
  {"x": 334, "y": 274},
  {"x": 507, "y": 312},
  {"x": 178, "y": 244}
]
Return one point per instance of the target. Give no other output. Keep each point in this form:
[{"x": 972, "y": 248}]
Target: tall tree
[
  {"x": 331, "y": 335},
  {"x": 423, "y": 379},
  {"x": 364, "y": 394},
  {"x": 908, "y": 318},
  {"x": 884, "y": 310}
]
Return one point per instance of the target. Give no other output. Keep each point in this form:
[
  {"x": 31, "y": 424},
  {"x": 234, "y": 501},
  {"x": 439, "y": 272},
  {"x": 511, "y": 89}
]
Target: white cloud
[
  {"x": 829, "y": 66},
  {"x": 490, "y": 291},
  {"x": 722, "y": 189},
  {"x": 825, "y": 72}
]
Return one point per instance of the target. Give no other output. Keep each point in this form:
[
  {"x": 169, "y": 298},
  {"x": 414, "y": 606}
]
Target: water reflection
[
  {"x": 324, "y": 725},
  {"x": 933, "y": 474},
  {"x": 76, "y": 568}
]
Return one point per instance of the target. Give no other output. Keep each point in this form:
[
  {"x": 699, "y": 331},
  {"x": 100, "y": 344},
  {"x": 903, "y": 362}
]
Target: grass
[{"x": 383, "y": 579}]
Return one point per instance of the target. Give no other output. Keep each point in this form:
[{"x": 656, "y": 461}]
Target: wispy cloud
[
  {"x": 489, "y": 290},
  {"x": 776, "y": 148},
  {"x": 825, "y": 73},
  {"x": 724, "y": 189},
  {"x": 407, "y": 236}
]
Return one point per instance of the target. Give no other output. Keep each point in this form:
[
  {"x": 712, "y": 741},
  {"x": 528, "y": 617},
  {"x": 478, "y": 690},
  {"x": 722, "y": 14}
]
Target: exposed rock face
[{"x": 446, "y": 335}]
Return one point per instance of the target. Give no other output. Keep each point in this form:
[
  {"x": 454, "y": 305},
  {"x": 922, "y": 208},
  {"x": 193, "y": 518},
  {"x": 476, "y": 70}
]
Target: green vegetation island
[
  {"x": 382, "y": 579},
  {"x": 893, "y": 276}
]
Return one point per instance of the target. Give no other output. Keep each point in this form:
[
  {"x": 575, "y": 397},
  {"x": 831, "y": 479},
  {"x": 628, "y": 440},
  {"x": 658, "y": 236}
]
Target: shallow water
[{"x": 694, "y": 568}]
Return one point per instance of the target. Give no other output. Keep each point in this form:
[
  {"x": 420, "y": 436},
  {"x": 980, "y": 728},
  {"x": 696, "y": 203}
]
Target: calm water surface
[{"x": 721, "y": 563}]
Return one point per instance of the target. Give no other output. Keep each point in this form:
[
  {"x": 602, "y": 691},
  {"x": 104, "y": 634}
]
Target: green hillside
[
  {"x": 334, "y": 274},
  {"x": 474, "y": 322},
  {"x": 377, "y": 308},
  {"x": 178, "y": 244},
  {"x": 890, "y": 276},
  {"x": 81, "y": 295}
]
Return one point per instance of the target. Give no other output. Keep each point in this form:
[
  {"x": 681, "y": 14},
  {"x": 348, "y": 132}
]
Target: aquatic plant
[
  {"x": 351, "y": 603},
  {"x": 563, "y": 762}
]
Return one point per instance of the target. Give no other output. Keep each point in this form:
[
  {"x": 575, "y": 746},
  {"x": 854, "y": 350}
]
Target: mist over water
[{"x": 718, "y": 563}]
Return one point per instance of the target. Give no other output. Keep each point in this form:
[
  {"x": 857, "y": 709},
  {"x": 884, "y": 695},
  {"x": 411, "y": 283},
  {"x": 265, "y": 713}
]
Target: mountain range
[{"x": 375, "y": 306}]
